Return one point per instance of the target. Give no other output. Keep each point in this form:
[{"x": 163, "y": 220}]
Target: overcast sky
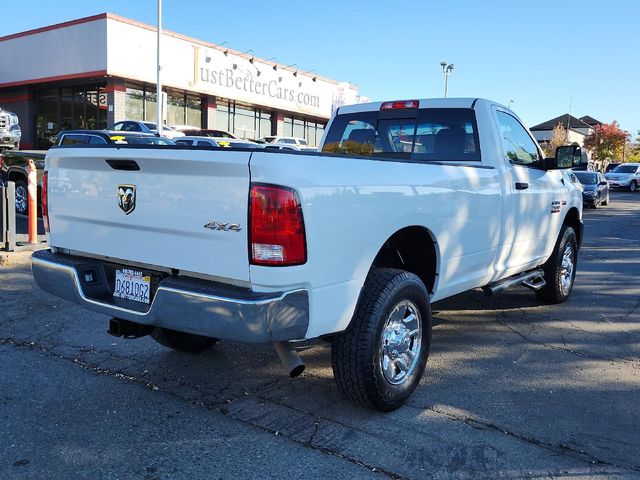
[{"x": 543, "y": 55}]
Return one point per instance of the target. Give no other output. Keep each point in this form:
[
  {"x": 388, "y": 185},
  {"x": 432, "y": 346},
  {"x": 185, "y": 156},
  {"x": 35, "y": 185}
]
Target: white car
[
  {"x": 145, "y": 127},
  {"x": 625, "y": 175},
  {"x": 292, "y": 143},
  {"x": 223, "y": 142},
  {"x": 410, "y": 202}
]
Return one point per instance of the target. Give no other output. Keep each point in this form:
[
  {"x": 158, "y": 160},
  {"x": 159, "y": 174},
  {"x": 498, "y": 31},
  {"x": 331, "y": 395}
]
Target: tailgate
[{"x": 170, "y": 212}]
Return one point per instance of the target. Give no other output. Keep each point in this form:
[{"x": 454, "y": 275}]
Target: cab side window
[{"x": 519, "y": 148}]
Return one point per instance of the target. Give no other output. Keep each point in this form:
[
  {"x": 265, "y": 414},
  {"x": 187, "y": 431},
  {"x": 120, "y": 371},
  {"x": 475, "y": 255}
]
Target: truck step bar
[{"x": 533, "y": 279}]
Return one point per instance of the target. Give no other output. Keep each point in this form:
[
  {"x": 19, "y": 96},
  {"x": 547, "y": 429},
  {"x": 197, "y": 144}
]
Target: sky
[{"x": 547, "y": 56}]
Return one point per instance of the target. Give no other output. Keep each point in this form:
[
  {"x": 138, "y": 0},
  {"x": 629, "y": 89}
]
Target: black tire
[
  {"x": 633, "y": 186},
  {"x": 22, "y": 193},
  {"x": 606, "y": 200},
  {"x": 557, "y": 291},
  {"x": 357, "y": 353},
  {"x": 186, "y": 342}
]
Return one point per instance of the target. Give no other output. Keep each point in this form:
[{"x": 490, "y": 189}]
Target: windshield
[
  {"x": 587, "y": 178},
  {"x": 430, "y": 134},
  {"x": 150, "y": 126},
  {"x": 625, "y": 169}
]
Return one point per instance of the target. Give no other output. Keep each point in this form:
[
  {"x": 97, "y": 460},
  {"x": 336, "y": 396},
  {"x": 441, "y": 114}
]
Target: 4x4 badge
[{"x": 127, "y": 198}]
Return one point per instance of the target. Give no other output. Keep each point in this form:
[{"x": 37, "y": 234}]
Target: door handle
[{"x": 522, "y": 185}]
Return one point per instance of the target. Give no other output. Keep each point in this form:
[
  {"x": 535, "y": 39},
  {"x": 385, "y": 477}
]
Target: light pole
[
  {"x": 446, "y": 69},
  {"x": 510, "y": 102},
  {"x": 159, "y": 80}
]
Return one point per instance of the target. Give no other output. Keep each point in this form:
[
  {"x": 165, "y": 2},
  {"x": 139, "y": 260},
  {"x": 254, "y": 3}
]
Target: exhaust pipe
[{"x": 290, "y": 359}]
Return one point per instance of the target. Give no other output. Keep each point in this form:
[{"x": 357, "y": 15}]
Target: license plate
[{"x": 132, "y": 285}]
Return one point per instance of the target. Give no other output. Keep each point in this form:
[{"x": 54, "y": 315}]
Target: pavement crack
[{"x": 557, "y": 448}]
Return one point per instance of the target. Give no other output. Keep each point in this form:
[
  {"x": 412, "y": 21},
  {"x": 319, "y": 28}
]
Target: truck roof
[{"x": 423, "y": 103}]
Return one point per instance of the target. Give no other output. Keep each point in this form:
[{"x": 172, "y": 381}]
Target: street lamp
[
  {"x": 159, "y": 79},
  {"x": 446, "y": 69},
  {"x": 510, "y": 102}
]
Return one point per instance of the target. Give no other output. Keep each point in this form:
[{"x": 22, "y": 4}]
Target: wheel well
[
  {"x": 411, "y": 249},
  {"x": 15, "y": 175},
  {"x": 573, "y": 220}
]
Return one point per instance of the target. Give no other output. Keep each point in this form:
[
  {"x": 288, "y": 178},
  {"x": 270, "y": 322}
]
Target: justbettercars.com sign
[{"x": 238, "y": 78}]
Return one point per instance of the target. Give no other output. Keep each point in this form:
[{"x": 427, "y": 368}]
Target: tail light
[
  {"x": 44, "y": 201},
  {"x": 1, "y": 161},
  {"x": 276, "y": 233},
  {"x": 399, "y": 105}
]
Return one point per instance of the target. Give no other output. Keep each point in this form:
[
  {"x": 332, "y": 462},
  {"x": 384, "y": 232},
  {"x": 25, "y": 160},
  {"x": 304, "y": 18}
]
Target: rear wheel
[
  {"x": 379, "y": 360},
  {"x": 560, "y": 269},
  {"x": 606, "y": 200},
  {"x": 21, "y": 197},
  {"x": 633, "y": 186},
  {"x": 187, "y": 342}
]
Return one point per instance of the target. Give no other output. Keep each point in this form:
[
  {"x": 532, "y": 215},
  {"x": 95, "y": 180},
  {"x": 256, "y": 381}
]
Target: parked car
[
  {"x": 611, "y": 166},
  {"x": 99, "y": 137},
  {"x": 216, "y": 142},
  {"x": 144, "y": 127},
  {"x": 595, "y": 189},
  {"x": 203, "y": 132},
  {"x": 350, "y": 245},
  {"x": 293, "y": 142},
  {"x": 14, "y": 166},
  {"x": 10, "y": 133},
  {"x": 625, "y": 175}
]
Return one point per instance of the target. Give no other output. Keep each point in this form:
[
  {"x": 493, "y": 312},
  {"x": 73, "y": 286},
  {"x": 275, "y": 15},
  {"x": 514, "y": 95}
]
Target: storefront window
[
  {"x": 175, "y": 109},
  {"x": 194, "y": 111},
  {"x": 80, "y": 107},
  {"x": 134, "y": 104},
  {"x": 222, "y": 115},
  {"x": 309, "y": 130},
  {"x": 150, "y": 113},
  {"x": 244, "y": 122},
  {"x": 264, "y": 124}
]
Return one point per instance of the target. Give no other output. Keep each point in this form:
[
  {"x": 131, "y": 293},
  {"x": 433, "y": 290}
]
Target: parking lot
[{"x": 513, "y": 389}]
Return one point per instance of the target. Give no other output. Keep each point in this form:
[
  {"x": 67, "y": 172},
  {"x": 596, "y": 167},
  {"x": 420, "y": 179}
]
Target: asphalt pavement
[{"x": 513, "y": 389}]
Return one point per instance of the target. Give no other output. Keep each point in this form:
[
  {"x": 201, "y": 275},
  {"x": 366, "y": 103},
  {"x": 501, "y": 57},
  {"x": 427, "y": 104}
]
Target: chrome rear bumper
[{"x": 180, "y": 303}]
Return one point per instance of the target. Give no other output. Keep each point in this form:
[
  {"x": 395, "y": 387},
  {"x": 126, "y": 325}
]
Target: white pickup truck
[{"x": 409, "y": 202}]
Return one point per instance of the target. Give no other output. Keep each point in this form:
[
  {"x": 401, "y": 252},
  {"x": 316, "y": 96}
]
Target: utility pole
[
  {"x": 159, "y": 81},
  {"x": 446, "y": 69}
]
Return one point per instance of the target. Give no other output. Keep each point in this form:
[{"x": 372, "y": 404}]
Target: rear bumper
[{"x": 180, "y": 303}]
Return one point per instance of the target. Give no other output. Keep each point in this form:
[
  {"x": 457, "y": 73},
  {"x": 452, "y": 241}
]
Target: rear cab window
[{"x": 419, "y": 135}]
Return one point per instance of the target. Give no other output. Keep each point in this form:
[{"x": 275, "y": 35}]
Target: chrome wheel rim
[
  {"x": 21, "y": 199},
  {"x": 400, "y": 342},
  {"x": 566, "y": 270}
]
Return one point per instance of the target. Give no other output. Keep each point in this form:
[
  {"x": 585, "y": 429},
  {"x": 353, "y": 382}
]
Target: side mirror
[{"x": 566, "y": 157}]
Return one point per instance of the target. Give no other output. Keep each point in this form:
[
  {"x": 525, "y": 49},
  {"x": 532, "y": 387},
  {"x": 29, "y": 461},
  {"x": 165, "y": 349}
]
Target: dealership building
[{"x": 92, "y": 72}]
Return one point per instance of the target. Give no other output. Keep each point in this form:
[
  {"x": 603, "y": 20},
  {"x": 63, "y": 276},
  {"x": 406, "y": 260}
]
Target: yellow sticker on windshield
[
  {"x": 224, "y": 144},
  {"x": 115, "y": 138}
]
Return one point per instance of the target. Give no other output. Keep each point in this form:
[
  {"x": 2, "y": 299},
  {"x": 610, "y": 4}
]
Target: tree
[
  {"x": 558, "y": 139},
  {"x": 607, "y": 142},
  {"x": 633, "y": 151}
]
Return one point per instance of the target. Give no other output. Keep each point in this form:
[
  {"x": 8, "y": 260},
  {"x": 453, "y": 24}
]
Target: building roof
[
  {"x": 590, "y": 120},
  {"x": 563, "y": 120}
]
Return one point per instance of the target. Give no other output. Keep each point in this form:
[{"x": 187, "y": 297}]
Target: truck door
[{"x": 536, "y": 198}]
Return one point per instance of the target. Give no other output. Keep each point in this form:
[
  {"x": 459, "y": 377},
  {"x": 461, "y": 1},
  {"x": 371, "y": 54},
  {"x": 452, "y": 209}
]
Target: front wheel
[
  {"x": 606, "y": 200},
  {"x": 633, "y": 186},
  {"x": 560, "y": 269},
  {"x": 186, "y": 342},
  {"x": 379, "y": 360}
]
